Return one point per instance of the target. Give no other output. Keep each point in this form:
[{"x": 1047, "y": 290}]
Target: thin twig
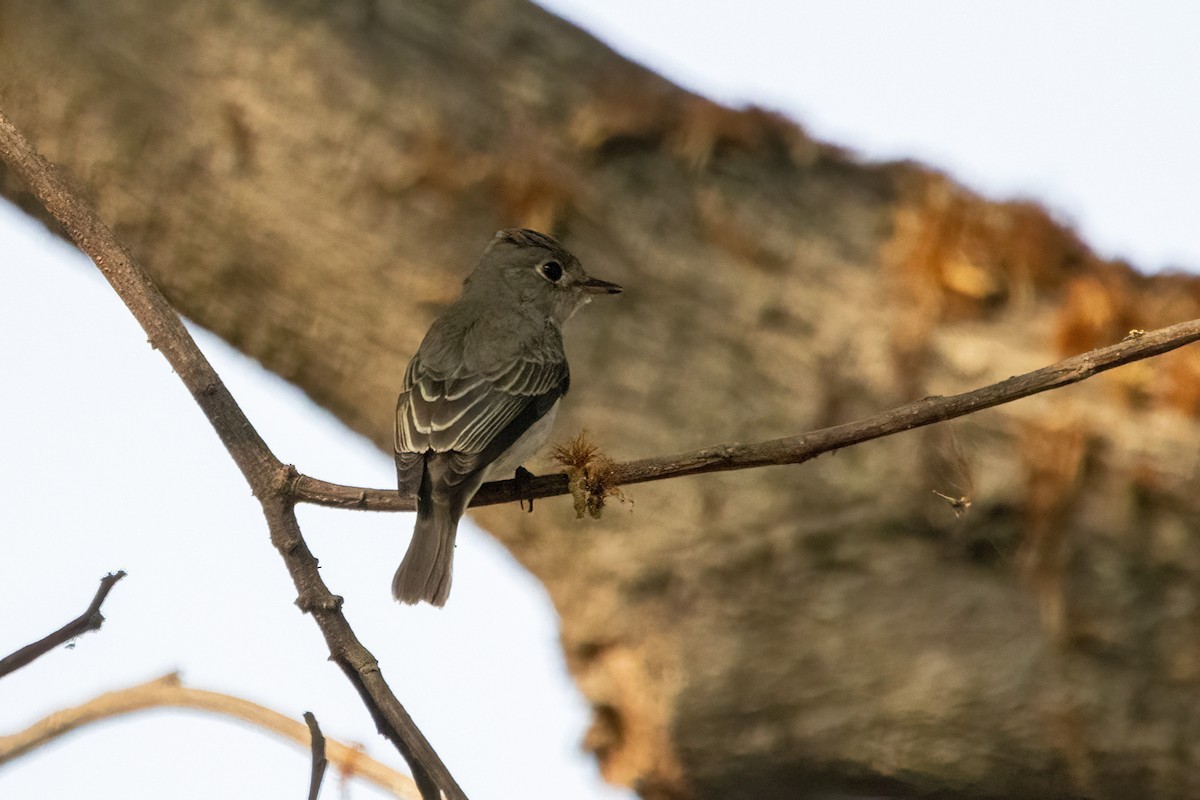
[
  {"x": 89, "y": 620},
  {"x": 166, "y": 692},
  {"x": 271, "y": 482},
  {"x": 318, "y": 755},
  {"x": 792, "y": 449}
]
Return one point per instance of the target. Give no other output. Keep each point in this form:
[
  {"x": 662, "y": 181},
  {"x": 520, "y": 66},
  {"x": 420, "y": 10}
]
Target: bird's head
[{"x": 533, "y": 269}]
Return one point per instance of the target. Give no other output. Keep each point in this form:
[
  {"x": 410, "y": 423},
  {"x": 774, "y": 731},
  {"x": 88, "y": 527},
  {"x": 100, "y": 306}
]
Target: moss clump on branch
[{"x": 590, "y": 474}]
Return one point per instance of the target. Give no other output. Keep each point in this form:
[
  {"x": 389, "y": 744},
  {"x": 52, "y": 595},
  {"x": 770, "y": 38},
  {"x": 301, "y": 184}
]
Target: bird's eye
[{"x": 551, "y": 271}]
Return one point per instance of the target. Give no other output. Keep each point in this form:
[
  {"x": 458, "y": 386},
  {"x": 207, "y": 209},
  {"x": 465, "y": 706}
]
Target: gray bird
[{"x": 481, "y": 393}]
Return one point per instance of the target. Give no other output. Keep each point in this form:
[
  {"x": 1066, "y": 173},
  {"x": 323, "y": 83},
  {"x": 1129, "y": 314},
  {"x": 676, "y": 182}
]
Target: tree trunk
[{"x": 312, "y": 180}]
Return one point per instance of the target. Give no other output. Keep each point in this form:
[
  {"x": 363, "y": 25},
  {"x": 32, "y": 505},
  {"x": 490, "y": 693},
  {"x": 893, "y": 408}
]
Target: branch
[
  {"x": 166, "y": 692},
  {"x": 793, "y": 449},
  {"x": 89, "y": 620},
  {"x": 318, "y": 755},
  {"x": 271, "y": 482}
]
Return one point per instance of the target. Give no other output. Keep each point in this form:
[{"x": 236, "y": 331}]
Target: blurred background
[{"x": 1087, "y": 107}]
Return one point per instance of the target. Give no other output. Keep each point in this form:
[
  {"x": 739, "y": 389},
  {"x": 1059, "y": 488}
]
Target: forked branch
[{"x": 270, "y": 480}]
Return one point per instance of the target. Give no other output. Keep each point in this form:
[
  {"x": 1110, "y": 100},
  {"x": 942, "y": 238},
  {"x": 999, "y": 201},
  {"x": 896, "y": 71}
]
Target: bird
[{"x": 480, "y": 395}]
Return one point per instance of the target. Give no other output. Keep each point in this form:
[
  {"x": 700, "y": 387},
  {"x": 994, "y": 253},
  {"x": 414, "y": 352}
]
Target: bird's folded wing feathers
[{"x": 474, "y": 416}]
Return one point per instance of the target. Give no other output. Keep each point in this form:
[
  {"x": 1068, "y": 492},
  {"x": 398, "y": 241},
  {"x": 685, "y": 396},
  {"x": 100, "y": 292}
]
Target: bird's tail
[{"x": 425, "y": 572}]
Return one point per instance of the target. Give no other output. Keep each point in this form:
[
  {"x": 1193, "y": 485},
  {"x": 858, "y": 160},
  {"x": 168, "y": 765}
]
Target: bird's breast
[{"x": 523, "y": 448}]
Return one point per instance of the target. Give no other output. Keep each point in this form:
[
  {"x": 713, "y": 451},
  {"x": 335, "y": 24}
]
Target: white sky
[
  {"x": 107, "y": 464},
  {"x": 1092, "y": 106}
]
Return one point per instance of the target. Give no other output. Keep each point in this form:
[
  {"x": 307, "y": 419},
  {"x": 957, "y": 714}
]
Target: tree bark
[{"x": 311, "y": 181}]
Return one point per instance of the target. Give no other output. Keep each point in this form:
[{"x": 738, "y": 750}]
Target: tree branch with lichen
[{"x": 592, "y": 476}]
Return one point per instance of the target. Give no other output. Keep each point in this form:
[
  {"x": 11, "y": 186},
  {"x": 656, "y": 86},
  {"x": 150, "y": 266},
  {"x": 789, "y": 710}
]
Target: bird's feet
[{"x": 522, "y": 478}]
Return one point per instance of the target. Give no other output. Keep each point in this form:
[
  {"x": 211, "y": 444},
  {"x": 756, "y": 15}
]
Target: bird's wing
[{"x": 471, "y": 417}]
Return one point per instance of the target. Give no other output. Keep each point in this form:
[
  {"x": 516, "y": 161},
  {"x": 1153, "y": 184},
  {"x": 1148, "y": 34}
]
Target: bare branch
[
  {"x": 359, "y": 666},
  {"x": 166, "y": 692},
  {"x": 270, "y": 481},
  {"x": 318, "y": 755},
  {"x": 89, "y": 620},
  {"x": 793, "y": 449}
]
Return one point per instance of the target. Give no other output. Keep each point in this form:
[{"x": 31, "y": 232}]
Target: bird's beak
[{"x": 597, "y": 286}]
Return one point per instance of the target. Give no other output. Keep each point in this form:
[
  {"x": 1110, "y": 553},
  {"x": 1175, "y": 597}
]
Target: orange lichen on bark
[
  {"x": 1054, "y": 456},
  {"x": 954, "y": 255},
  {"x": 1106, "y": 305},
  {"x": 966, "y": 256}
]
